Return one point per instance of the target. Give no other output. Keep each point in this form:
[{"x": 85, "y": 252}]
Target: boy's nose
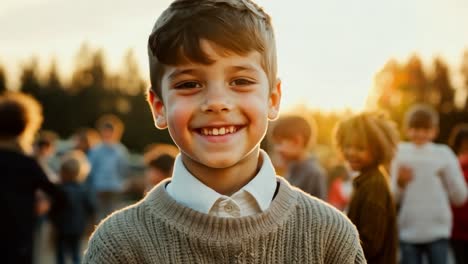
[{"x": 216, "y": 100}]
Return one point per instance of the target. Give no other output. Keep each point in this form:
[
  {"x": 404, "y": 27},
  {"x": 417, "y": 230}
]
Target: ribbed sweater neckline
[{"x": 162, "y": 206}]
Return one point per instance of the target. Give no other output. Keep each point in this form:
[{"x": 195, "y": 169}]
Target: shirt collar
[
  {"x": 262, "y": 187},
  {"x": 189, "y": 191}
]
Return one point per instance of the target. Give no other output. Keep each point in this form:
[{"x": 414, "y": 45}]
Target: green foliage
[{"x": 29, "y": 79}]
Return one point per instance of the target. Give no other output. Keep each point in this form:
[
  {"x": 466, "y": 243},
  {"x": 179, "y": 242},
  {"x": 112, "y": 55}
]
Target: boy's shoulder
[
  {"x": 115, "y": 235},
  {"x": 329, "y": 225}
]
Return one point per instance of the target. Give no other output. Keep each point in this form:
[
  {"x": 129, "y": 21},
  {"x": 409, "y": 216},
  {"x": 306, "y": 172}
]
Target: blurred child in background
[
  {"x": 159, "y": 161},
  {"x": 22, "y": 176},
  {"x": 85, "y": 139},
  {"x": 367, "y": 142},
  {"x": 426, "y": 178},
  {"x": 44, "y": 149},
  {"x": 158, "y": 169},
  {"x": 292, "y": 137},
  {"x": 70, "y": 224},
  {"x": 459, "y": 143},
  {"x": 109, "y": 166}
]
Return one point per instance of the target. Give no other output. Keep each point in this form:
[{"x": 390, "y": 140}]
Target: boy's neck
[{"x": 227, "y": 181}]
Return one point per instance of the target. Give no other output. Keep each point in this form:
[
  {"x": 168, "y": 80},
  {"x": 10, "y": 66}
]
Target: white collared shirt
[{"x": 253, "y": 198}]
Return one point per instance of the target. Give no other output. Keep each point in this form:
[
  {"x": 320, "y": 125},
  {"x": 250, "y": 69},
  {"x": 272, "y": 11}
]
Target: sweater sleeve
[
  {"x": 109, "y": 243},
  {"x": 356, "y": 253},
  {"x": 453, "y": 178},
  {"x": 343, "y": 245},
  {"x": 102, "y": 248}
]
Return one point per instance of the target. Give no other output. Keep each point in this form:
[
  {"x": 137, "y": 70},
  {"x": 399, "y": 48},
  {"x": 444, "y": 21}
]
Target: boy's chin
[
  {"x": 223, "y": 160},
  {"x": 214, "y": 162},
  {"x": 220, "y": 164},
  {"x": 225, "y": 163}
]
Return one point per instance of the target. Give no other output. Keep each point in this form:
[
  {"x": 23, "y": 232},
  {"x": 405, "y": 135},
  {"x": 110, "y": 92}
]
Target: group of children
[
  {"x": 403, "y": 192},
  {"x": 214, "y": 86}
]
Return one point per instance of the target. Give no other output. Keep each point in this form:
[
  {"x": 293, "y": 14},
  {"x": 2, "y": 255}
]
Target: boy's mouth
[{"x": 218, "y": 131}]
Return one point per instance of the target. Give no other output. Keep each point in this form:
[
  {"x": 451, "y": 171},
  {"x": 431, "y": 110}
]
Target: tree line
[{"x": 93, "y": 90}]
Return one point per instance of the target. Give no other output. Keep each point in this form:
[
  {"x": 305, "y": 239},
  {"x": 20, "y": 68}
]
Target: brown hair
[
  {"x": 290, "y": 126},
  {"x": 153, "y": 151},
  {"x": 238, "y": 26},
  {"x": 75, "y": 167},
  {"x": 373, "y": 131},
  {"x": 19, "y": 114},
  {"x": 421, "y": 116},
  {"x": 164, "y": 163}
]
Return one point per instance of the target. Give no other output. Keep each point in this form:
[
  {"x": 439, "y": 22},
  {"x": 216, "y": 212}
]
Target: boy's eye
[
  {"x": 240, "y": 82},
  {"x": 187, "y": 85}
]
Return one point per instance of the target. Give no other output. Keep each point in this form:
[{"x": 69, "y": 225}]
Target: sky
[{"x": 328, "y": 51}]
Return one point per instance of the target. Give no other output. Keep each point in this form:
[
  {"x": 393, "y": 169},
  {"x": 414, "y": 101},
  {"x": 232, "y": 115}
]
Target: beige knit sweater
[{"x": 295, "y": 229}]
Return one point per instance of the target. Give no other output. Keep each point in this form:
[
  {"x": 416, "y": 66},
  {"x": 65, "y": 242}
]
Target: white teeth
[{"x": 218, "y": 131}]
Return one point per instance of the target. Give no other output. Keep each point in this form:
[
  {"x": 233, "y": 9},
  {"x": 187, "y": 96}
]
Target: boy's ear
[
  {"x": 274, "y": 101},
  {"x": 157, "y": 108}
]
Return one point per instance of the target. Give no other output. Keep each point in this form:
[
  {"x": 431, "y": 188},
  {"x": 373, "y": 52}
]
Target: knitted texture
[{"x": 297, "y": 228}]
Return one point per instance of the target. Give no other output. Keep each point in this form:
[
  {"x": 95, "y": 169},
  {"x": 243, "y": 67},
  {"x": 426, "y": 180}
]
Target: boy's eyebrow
[
  {"x": 235, "y": 68},
  {"x": 177, "y": 72},
  {"x": 244, "y": 67}
]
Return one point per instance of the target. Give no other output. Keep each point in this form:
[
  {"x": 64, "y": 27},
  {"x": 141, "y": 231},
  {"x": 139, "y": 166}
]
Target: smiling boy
[{"x": 214, "y": 86}]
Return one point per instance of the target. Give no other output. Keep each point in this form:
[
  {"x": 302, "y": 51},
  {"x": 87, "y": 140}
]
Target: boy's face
[
  {"x": 421, "y": 136},
  {"x": 217, "y": 114}
]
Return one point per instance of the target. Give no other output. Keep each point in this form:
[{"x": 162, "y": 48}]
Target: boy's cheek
[{"x": 178, "y": 119}]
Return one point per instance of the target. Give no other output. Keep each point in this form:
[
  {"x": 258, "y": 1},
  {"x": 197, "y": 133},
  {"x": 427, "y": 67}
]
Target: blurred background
[{"x": 87, "y": 58}]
